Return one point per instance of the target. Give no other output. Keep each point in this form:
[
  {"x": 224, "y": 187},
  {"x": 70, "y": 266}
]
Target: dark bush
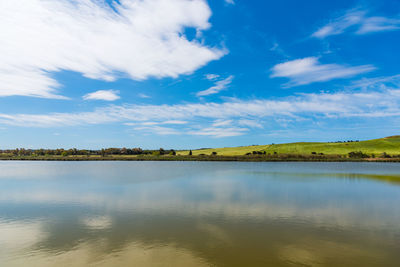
[
  {"x": 357, "y": 154},
  {"x": 385, "y": 155}
]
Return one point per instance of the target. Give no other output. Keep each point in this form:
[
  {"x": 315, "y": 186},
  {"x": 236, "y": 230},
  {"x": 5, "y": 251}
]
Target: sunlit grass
[{"x": 390, "y": 145}]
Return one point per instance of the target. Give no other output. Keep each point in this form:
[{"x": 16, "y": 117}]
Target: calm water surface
[{"x": 199, "y": 214}]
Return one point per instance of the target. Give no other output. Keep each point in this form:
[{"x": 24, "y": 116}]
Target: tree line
[{"x": 84, "y": 152}]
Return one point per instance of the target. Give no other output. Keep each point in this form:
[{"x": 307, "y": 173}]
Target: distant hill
[{"x": 390, "y": 145}]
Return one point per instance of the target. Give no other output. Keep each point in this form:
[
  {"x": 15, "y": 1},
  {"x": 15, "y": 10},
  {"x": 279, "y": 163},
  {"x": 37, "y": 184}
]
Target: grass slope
[{"x": 390, "y": 145}]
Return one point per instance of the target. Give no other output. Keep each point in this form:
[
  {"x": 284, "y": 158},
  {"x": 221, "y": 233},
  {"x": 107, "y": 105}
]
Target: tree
[{"x": 190, "y": 153}]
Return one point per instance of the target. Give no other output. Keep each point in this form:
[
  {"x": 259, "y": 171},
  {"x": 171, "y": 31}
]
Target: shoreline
[{"x": 295, "y": 158}]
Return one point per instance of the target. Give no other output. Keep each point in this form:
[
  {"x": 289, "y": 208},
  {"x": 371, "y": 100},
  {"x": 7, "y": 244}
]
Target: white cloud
[
  {"x": 250, "y": 123},
  {"x": 218, "y": 87},
  {"x": 379, "y": 83},
  {"x": 106, "y": 95},
  {"x": 155, "y": 127},
  {"x": 141, "y": 95},
  {"x": 359, "y": 22},
  {"x": 219, "y": 132},
  {"x": 362, "y": 104},
  {"x": 219, "y": 123},
  {"x": 135, "y": 39},
  {"x": 212, "y": 77},
  {"x": 231, "y": 2},
  {"x": 158, "y": 130},
  {"x": 176, "y": 122},
  {"x": 308, "y": 70},
  {"x": 218, "y": 129},
  {"x": 378, "y": 24},
  {"x": 278, "y": 49},
  {"x": 150, "y": 123}
]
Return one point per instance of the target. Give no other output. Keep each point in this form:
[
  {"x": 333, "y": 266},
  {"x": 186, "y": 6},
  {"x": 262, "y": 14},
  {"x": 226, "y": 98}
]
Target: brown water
[{"x": 199, "y": 214}]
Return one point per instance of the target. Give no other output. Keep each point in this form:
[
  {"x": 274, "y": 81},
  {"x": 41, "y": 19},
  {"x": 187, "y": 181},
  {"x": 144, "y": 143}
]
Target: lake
[{"x": 199, "y": 214}]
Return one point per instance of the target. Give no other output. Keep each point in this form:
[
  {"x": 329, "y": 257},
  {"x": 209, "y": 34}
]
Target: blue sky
[{"x": 192, "y": 73}]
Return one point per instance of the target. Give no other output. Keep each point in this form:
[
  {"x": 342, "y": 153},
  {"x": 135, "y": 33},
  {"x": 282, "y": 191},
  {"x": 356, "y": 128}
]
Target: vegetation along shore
[{"x": 384, "y": 149}]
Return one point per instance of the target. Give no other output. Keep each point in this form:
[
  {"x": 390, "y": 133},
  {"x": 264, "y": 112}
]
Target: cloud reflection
[{"x": 199, "y": 214}]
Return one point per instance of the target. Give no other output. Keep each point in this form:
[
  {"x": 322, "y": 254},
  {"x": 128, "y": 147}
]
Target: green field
[{"x": 390, "y": 145}]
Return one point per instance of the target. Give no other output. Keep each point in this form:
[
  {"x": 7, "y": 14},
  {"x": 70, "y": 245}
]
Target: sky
[{"x": 195, "y": 73}]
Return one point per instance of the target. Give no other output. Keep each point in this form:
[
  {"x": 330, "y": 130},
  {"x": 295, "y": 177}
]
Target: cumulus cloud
[
  {"x": 106, "y": 95},
  {"x": 308, "y": 70},
  {"x": 359, "y": 22},
  {"x": 218, "y": 87},
  {"x": 131, "y": 38}
]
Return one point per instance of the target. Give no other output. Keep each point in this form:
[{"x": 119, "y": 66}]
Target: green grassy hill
[{"x": 390, "y": 145}]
